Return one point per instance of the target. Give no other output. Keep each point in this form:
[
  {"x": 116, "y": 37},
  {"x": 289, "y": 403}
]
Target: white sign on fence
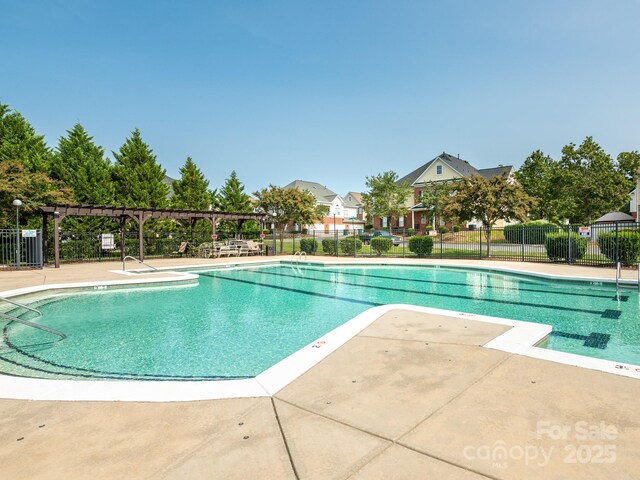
[
  {"x": 29, "y": 233},
  {"x": 107, "y": 241},
  {"x": 584, "y": 232}
]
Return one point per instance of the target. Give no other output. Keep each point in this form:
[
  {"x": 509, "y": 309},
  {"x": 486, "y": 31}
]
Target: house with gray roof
[
  {"x": 443, "y": 168},
  {"x": 340, "y": 215}
]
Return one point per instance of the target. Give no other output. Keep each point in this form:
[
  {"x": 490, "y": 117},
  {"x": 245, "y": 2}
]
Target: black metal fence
[
  {"x": 26, "y": 253},
  {"x": 595, "y": 245},
  {"x": 602, "y": 244}
]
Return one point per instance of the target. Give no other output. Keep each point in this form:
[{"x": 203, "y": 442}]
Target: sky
[{"x": 326, "y": 91}]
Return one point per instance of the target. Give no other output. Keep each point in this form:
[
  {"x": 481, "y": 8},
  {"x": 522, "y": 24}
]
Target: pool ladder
[
  {"x": 13, "y": 318},
  {"x": 138, "y": 260},
  {"x": 298, "y": 256}
]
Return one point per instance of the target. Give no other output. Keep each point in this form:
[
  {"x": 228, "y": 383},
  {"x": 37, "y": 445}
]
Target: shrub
[
  {"x": 534, "y": 232},
  {"x": 346, "y": 245},
  {"x": 565, "y": 246},
  {"x": 368, "y": 226},
  {"x": 329, "y": 246},
  {"x": 444, "y": 230},
  {"x": 381, "y": 245},
  {"x": 628, "y": 246},
  {"x": 456, "y": 228},
  {"x": 428, "y": 228},
  {"x": 411, "y": 231},
  {"x": 305, "y": 231},
  {"x": 421, "y": 246},
  {"x": 308, "y": 245}
]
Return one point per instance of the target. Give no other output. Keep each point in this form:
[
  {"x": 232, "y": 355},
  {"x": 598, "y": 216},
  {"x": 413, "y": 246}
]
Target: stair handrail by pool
[
  {"x": 298, "y": 256},
  {"x": 14, "y": 318},
  {"x": 138, "y": 260}
]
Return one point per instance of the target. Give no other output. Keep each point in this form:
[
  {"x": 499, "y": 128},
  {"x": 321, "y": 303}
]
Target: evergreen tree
[
  {"x": 18, "y": 141},
  {"x": 81, "y": 165},
  {"x": 191, "y": 190},
  {"x": 233, "y": 197},
  {"x": 137, "y": 177}
]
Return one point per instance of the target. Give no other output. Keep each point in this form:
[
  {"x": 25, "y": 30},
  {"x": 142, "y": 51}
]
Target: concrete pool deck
[{"x": 408, "y": 397}]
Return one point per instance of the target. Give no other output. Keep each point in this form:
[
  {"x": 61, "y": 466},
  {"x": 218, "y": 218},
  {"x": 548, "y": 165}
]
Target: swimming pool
[{"x": 238, "y": 322}]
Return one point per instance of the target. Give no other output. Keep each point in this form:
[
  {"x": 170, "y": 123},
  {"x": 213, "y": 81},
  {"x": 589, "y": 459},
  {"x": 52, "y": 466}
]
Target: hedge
[
  {"x": 329, "y": 246},
  {"x": 421, "y": 246},
  {"x": 381, "y": 245},
  {"x": 346, "y": 245},
  {"x": 559, "y": 244},
  {"x": 534, "y": 232},
  {"x": 628, "y": 251},
  {"x": 308, "y": 245}
]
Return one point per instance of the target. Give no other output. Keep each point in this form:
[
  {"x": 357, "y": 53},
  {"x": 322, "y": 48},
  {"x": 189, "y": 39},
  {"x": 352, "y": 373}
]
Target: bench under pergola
[{"x": 138, "y": 215}]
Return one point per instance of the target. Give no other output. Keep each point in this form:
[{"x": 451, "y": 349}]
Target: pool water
[{"x": 237, "y": 323}]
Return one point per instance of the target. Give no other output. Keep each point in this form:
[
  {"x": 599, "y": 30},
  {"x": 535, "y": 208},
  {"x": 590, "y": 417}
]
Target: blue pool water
[{"x": 238, "y": 322}]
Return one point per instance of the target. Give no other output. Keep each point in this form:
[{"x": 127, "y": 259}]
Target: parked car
[{"x": 366, "y": 237}]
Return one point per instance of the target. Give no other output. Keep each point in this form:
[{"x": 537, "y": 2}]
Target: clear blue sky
[{"x": 327, "y": 91}]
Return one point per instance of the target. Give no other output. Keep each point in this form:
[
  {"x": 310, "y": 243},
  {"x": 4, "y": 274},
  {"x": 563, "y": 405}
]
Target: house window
[
  {"x": 401, "y": 222},
  {"x": 438, "y": 169},
  {"x": 423, "y": 218},
  {"x": 384, "y": 222}
]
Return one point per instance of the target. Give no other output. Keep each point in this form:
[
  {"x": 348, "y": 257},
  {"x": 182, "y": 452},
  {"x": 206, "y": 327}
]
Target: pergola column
[
  {"x": 57, "y": 218},
  {"x": 45, "y": 238},
  {"x": 141, "y": 219}
]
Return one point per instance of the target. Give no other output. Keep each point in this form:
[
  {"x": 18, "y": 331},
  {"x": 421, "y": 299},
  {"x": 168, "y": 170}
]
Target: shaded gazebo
[{"x": 615, "y": 217}]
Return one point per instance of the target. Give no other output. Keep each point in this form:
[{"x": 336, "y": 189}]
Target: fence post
[
  {"x": 480, "y": 231},
  {"x": 523, "y": 242},
  {"x": 335, "y": 241},
  {"x": 617, "y": 245},
  {"x": 404, "y": 236},
  {"x": 441, "y": 253}
]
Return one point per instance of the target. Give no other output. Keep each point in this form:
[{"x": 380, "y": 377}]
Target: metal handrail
[
  {"x": 138, "y": 260},
  {"x": 298, "y": 256},
  {"x": 13, "y": 318}
]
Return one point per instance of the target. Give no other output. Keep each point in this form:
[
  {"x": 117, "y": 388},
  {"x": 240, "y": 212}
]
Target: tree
[
  {"x": 629, "y": 165},
  {"x": 386, "y": 197},
  {"x": 488, "y": 200},
  {"x": 588, "y": 182},
  {"x": 19, "y": 141},
  {"x": 536, "y": 176},
  {"x": 33, "y": 188},
  {"x": 233, "y": 197},
  {"x": 435, "y": 197},
  {"x": 287, "y": 205},
  {"x": 82, "y": 166},
  {"x": 191, "y": 190},
  {"x": 137, "y": 177}
]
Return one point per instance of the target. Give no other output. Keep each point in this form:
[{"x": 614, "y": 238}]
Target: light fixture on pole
[
  {"x": 273, "y": 229},
  {"x": 17, "y": 203}
]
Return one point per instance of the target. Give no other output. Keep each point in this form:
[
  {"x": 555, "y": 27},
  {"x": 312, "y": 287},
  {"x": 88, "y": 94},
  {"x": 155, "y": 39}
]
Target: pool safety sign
[
  {"x": 584, "y": 232},
  {"x": 29, "y": 233}
]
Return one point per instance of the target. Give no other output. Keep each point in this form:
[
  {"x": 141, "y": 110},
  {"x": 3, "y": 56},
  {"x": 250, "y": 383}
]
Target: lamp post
[
  {"x": 17, "y": 203},
  {"x": 335, "y": 235},
  {"x": 273, "y": 229}
]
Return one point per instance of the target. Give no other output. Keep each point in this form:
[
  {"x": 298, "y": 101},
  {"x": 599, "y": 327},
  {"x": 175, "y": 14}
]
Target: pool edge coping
[{"x": 520, "y": 340}]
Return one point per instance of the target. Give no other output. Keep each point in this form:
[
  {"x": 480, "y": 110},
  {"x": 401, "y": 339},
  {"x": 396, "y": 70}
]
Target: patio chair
[{"x": 182, "y": 249}]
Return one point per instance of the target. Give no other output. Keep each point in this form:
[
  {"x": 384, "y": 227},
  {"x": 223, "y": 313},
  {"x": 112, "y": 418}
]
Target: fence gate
[{"x": 26, "y": 252}]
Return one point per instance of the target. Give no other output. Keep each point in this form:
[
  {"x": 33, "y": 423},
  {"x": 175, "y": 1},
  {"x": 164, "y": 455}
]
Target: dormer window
[{"x": 438, "y": 169}]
